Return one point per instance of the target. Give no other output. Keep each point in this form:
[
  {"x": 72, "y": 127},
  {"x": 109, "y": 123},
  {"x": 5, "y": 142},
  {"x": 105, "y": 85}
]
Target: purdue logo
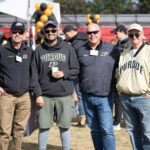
[{"x": 132, "y": 65}]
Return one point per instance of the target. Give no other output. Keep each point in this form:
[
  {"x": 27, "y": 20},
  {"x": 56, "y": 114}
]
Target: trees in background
[
  {"x": 104, "y": 7},
  {"x": 144, "y": 6}
]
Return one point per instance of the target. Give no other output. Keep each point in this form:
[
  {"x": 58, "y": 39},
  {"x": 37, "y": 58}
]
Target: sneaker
[{"x": 117, "y": 127}]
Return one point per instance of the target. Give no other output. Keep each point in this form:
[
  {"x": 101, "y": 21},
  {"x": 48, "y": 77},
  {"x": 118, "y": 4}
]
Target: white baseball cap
[{"x": 135, "y": 26}]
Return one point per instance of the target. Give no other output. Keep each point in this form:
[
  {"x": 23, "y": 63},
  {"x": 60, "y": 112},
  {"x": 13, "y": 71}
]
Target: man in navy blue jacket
[{"x": 98, "y": 61}]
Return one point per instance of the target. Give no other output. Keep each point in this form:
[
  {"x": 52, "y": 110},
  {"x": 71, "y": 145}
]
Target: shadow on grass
[{"x": 34, "y": 146}]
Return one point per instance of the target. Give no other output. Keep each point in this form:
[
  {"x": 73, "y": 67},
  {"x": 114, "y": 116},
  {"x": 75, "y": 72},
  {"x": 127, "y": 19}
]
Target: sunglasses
[
  {"x": 50, "y": 31},
  {"x": 92, "y": 32},
  {"x": 19, "y": 32},
  {"x": 131, "y": 35}
]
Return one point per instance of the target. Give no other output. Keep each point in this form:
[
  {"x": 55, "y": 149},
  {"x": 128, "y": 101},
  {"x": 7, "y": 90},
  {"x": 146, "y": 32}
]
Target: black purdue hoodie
[{"x": 61, "y": 55}]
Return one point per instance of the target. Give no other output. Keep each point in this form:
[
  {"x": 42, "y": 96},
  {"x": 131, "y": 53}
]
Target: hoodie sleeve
[
  {"x": 35, "y": 86},
  {"x": 73, "y": 70}
]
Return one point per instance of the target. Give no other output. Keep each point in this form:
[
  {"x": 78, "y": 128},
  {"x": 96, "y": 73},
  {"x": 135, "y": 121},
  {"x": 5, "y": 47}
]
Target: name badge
[
  {"x": 94, "y": 52},
  {"x": 18, "y": 58}
]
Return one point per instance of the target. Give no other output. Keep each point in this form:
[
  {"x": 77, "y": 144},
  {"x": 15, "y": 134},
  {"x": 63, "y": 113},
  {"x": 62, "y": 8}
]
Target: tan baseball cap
[{"x": 135, "y": 26}]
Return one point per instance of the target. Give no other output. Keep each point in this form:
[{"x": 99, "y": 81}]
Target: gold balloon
[
  {"x": 88, "y": 16},
  {"x": 89, "y": 21},
  {"x": 37, "y": 6},
  {"x": 44, "y": 18},
  {"x": 98, "y": 21},
  {"x": 48, "y": 12},
  {"x": 37, "y": 30},
  {"x": 97, "y": 17},
  {"x": 50, "y": 6},
  {"x": 39, "y": 24}
]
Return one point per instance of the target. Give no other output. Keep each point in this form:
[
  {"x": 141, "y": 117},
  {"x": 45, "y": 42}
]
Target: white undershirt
[{"x": 132, "y": 52}]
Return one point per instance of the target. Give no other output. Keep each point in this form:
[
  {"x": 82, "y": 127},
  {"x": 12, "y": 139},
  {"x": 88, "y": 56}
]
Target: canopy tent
[{"x": 24, "y": 9}]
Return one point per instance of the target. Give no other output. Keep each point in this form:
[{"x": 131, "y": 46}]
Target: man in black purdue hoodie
[{"x": 54, "y": 66}]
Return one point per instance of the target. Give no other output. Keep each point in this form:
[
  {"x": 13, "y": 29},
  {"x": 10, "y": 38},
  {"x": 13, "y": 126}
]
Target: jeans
[
  {"x": 118, "y": 112},
  {"x": 99, "y": 119},
  {"x": 136, "y": 110},
  {"x": 80, "y": 101}
]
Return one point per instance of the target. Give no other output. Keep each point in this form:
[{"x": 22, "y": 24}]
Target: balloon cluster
[
  {"x": 42, "y": 14},
  {"x": 93, "y": 18}
]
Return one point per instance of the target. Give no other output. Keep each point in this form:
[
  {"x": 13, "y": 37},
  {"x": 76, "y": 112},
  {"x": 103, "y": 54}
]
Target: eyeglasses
[
  {"x": 131, "y": 35},
  {"x": 19, "y": 32},
  {"x": 92, "y": 32},
  {"x": 52, "y": 31}
]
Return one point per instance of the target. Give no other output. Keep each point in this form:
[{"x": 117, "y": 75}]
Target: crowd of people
[{"x": 81, "y": 70}]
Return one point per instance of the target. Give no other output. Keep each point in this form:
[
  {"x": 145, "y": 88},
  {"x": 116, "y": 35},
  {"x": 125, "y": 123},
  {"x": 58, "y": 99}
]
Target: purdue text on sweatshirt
[
  {"x": 61, "y": 55},
  {"x": 134, "y": 72}
]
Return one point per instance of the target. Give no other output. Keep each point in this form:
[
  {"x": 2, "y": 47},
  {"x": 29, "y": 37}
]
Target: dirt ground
[{"x": 80, "y": 139}]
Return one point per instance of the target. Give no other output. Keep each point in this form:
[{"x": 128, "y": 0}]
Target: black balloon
[
  {"x": 92, "y": 17},
  {"x": 37, "y": 19},
  {"x": 43, "y": 6},
  {"x": 94, "y": 21},
  {"x": 39, "y": 13}
]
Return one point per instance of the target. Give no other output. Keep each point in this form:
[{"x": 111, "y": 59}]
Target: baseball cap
[
  {"x": 69, "y": 28},
  {"x": 18, "y": 26},
  {"x": 135, "y": 26},
  {"x": 52, "y": 22},
  {"x": 119, "y": 28}
]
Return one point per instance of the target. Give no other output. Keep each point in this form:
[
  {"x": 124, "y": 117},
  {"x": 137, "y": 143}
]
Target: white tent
[{"x": 24, "y": 9}]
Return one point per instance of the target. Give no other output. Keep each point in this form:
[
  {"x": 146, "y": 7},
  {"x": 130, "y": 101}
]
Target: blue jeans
[
  {"x": 80, "y": 101},
  {"x": 117, "y": 109},
  {"x": 136, "y": 110},
  {"x": 99, "y": 119}
]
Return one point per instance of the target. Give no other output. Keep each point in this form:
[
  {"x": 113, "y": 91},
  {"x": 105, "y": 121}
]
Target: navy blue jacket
[
  {"x": 14, "y": 75},
  {"x": 97, "y": 72}
]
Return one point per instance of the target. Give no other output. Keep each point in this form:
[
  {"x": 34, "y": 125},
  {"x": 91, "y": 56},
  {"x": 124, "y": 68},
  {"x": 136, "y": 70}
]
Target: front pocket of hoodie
[{"x": 67, "y": 85}]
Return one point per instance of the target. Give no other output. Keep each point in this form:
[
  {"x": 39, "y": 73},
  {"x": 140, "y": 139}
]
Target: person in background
[
  {"x": 123, "y": 43},
  {"x": 134, "y": 88},
  {"x": 54, "y": 67},
  {"x": 77, "y": 39},
  {"x": 3, "y": 39},
  {"x": 98, "y": 61},
  {"x": 15, "y": 103},
  {"x": 121, "y": 35}
]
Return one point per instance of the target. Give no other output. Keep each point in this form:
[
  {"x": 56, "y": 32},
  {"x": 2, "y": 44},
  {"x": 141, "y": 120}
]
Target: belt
[{"x": 135, "y": 95}]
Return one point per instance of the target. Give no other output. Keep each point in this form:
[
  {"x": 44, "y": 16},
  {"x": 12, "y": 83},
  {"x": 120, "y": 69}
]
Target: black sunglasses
[
  {"x": 52, "y": 31},
  {"x": 19, "y": 32},
  {"x": 92, "y": 32},
  {"x": 131, "y": 35}
]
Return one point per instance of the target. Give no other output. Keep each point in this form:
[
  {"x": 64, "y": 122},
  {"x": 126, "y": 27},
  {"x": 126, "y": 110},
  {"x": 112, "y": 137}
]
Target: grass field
[{"x": 80, "y": 139}]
